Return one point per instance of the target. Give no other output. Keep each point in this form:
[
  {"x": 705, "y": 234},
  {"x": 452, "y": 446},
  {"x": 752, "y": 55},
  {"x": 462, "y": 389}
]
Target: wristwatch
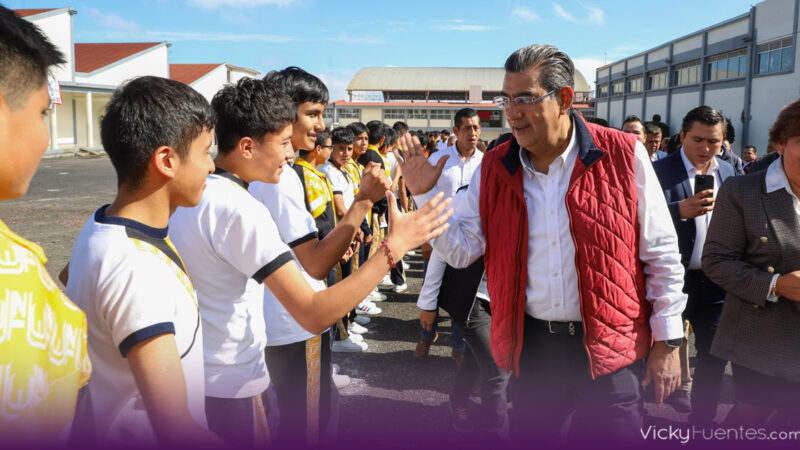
[{"x": 673, "y": 343}]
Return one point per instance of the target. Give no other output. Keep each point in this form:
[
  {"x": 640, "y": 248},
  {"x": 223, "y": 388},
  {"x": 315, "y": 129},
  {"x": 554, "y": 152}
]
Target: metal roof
[{"x": 436, "y": 79}]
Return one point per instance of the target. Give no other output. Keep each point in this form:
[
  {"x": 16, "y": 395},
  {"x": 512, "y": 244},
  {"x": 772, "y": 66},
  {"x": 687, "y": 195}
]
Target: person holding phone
[{"x": 690, "y": 179}]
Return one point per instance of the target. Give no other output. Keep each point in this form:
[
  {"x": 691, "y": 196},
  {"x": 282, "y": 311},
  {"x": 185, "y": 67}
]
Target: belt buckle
[
  {"x": 572, "y": 328},
  {"x": 550, "y": 327}
]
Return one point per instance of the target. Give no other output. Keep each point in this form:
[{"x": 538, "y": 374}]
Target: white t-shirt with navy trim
[
  {"x": 285, "y": 201},
  {"x": 129, "y": 280},
  {"x": 340, "y": 183},
  {"x": 230, "y": 243}
]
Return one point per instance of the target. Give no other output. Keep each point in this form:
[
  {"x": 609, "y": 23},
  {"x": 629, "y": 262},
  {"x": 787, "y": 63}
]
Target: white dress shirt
[
  {"x": 776, "y": 179},
  {"x": 700, "y": 222},
  {"x": 552, "y": 288}
]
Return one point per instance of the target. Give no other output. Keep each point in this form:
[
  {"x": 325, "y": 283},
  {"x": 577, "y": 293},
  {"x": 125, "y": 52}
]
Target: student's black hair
[
  {"x": 300, "y": 85},
  {"x": 146, "y": 113},
  {"x": 464, "y": 113},
  {"x": 445, "y": 132},
  {"x": 25, "y": 57},
  {"x": 358, "y": 128},
  {"x": 250, "y": 108},
  {"x": 322, "y": 137},
  {"x": 423, "y": 141},
  {"x": 400, "y": 127},
  {"x": 342, "y": 135},
  {"x": 706, "y": 115},
  {"x": 651, "y": 128},
  {"x": 391, "y": 136},
  {"x": 377, "y": 131}
]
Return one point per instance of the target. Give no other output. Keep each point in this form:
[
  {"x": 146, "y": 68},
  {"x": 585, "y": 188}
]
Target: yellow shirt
[
  {"x": 355, "y": 171},
  {"x": 43, "y": 354}
]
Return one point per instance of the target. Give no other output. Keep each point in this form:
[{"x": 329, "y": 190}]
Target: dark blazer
[
  {"x": 675, "y": 182},
  {"x": 754, "y": 234},
  {"x": 660, "y": 154}
]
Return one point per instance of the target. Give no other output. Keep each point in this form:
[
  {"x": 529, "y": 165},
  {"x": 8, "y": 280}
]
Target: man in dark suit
[
  {"x": 702, "y": 133},
  {"x": 652, "y": 141}
]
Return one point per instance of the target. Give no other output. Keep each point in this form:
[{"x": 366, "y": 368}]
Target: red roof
[
  {"x": 31, "y": 12},
  {"x": 90, "y": 57},
  {"x": 188, "y": 73}
]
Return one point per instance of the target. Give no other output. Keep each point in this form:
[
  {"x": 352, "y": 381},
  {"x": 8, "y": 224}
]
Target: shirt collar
[
  {"x": 690, "y": 168},
  {"x": 570, "y": 152},
  {"x": 776, "y": 177},
  {"x": 454, "y": 153}
]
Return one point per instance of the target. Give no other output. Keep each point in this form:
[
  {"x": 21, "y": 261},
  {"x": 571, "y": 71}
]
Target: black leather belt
[{"x": 555, "y": 327}]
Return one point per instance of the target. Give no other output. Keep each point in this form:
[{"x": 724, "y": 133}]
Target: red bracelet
[{"x": 388, "y": 251}]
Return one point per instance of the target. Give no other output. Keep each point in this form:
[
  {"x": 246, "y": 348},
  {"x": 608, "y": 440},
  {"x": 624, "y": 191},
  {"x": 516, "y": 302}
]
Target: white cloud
[
  {"x": 523, "y": 14},
  {"x": 464, "y": 27},
  {"x": 175, "y": 36},
  {"x": 594, "y": 15},
  {"x": 215, "y": 4},
  {"x": 561, "y": 12},
  {"x": 588, "y": 67},
  {"x": 111, "y": 20},
  {"x": 337, "y": 82}
]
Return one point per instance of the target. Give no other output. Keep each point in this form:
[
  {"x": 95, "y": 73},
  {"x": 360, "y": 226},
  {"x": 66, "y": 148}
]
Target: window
[
  {"x": 349, "y": 113},
  {"x": 727, "y": 65},
  {"x": 417, "y": 113},
  {"x": 657, "y": 79},
  {"x": 686, "y": 73},
  {"x": 327, "y": 113},
  {"x": 617, "y": 87},
  {"x": 634, "y": 84},
  {"x": 602, "y": 90},
  {"x": 774, "y": 56},
  {"x": 393, "y": 114},
  {"x": 441, "y": 114}
]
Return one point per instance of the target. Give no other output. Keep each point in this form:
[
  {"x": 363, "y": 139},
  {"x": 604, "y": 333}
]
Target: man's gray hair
[{"x": 555, "y": 67}]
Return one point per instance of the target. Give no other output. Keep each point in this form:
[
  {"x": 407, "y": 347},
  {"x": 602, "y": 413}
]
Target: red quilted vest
[{"x": 602, "y": 205}]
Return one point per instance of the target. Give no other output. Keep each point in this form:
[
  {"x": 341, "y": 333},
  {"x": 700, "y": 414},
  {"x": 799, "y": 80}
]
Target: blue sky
[{"x": 334, "y": 39}]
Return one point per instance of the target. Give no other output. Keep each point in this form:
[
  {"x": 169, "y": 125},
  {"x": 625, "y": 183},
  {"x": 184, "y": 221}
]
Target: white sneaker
[
  {"x": 356, "y": 337},
  {"x": 368, "y": 309},
  {"x": 375, "y": 297},
  {"x": 341, "y": 381},
  {"x": 335, "y": 368},
  {"x": 356, "y": 328},
  {"x": 398, "y": 288},
  {"x": 347, "y": 346},
  {"x": 386, "y": 281},
  {"x": 411, "y": 253},
  {"x": 406, "y": 265},
  {"x": 362, "y": 320}
]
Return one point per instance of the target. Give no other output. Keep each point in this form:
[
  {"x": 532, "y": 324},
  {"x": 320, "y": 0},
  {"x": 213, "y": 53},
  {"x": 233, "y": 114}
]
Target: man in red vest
[{"x": 581, "y": 258}]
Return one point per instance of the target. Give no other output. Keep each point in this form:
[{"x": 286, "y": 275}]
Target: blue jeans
[{"x": 456, "y": 340}]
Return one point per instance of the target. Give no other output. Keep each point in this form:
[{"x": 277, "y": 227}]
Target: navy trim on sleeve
[
  {"x": 303, "y": 240},
  {"x": 272, "y": 266},
  {"x": 142, "y": 335}
]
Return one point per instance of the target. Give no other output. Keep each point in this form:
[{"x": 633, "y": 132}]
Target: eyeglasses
[{"x": 505, "y": 102}]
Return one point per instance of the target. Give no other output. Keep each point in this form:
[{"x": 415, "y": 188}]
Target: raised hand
[
  {"x": 419, "y": 174},
  {"x": 407, "y": 231},
  {"x": 374, "y": 183}
]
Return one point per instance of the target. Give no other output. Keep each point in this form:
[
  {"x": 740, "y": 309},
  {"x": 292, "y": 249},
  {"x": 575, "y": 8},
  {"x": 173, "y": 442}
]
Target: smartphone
[{"x": 703, "y": 182}]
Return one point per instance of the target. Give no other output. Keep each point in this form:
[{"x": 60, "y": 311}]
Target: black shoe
[
  {"x": 459, "y": 415},
  {"x": 680, "y": 400}
]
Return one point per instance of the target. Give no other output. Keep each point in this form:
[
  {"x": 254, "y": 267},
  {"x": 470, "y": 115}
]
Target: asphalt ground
[{"x": 393, "y": 401}]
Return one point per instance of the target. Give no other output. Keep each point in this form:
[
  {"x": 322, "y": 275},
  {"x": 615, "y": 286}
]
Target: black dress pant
[{"x": 556, "y": 401}]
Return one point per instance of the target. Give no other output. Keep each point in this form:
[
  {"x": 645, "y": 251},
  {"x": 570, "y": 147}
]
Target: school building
[
  {"x": 743, "y": 66},
  {"x": 427, "y": 98},
  {"x": 94, "y": 70}
]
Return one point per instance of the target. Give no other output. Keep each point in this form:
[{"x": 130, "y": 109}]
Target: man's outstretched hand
[{"x": 418, "y": 173}]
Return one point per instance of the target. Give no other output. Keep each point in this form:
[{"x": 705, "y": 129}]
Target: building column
[
  {"x": 54, "y": 128},
  {"x": 89, "y": 121}
]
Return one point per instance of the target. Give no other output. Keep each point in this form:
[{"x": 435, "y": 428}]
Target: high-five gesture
[
  {"x": 407, "y": 231},
  {"x": 418, "y": 173}
]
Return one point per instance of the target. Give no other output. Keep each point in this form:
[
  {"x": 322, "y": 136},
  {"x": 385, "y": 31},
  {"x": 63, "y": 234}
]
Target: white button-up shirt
[
  {"x": 552, "y": 287},
  {"x": 700, "y": 222},
  {"x": 457, "y": 172}
]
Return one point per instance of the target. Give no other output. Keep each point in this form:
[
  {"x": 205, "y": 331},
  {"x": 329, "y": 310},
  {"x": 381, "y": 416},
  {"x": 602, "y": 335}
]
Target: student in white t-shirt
[
  {"x": 231, "y": 245},
  {"x": 145, "y": 339},
  {"x": 307, "y": 401}
]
